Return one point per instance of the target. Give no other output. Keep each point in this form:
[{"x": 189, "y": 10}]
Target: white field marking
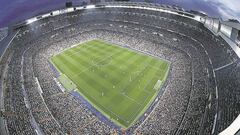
[
  {"x": 123, "y": 93},
  {"x": 129, "y": 97},
  {"x": 79, "y": 46},
  {"x": 157, "y": 85},
  {"x": 125, "y": 72},
  {"x": 193, "y": 40},
  {"x": 153, "y": 110},
  {"x": 144, "y": 102},
  {"x": 147, "y": 85},
  {"x": 137, "y": 71},
  {"x": 81, "y": 43},
  {"x": 155, "y": 67},
  {"x": 140, "y": 106},
  {"x": 94, "y": 65},
  {"x": 141, "y": 52},
  {"x": 144, "y": 89},
  {"x": 140, "y": 72},
  {"x": 134, "y": 114},
  {"x": 97, "y": 65},
  {"x": 106, "y": 108}
]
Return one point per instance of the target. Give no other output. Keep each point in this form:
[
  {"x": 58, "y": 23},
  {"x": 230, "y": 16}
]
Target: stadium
[{"x": 120, "y": 68}]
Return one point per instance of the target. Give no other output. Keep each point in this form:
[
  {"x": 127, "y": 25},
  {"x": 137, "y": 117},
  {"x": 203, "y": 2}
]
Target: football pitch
[{"x": 119, "y": 82}]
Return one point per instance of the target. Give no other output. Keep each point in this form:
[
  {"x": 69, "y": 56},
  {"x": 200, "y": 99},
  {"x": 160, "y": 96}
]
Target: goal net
[{"x": 157, "y": 85}]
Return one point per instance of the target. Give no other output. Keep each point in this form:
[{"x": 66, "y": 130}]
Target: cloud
[
  {"x": 228, "y": 14},
  {"x": 231, "y": 4},
  {"x": 228, "y": 9}
]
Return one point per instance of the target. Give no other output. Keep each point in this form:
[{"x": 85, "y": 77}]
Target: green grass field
[{"x": 119, "y": 82}]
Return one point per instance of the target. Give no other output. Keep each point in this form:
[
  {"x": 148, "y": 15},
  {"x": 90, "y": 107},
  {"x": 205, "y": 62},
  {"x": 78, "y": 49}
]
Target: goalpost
[{"x": 157, "y": 85}]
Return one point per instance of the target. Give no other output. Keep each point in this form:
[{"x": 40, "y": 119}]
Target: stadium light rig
[
  {"x": 31, "y": 20},
  {"x": 197, "y": 18},
  {"x": 90, "y": 6}
]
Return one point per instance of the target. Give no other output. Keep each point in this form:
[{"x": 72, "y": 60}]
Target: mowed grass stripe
[
  {"x": 88, "y": 74},
  {"x": 94, "y": 51},
  {"x": 102, "y": 73},
  {"x": 88, "y": 55},
  {"x": 149, "y": 77},
  {"x": 130, "y": 55},
  {"x": 113, "y": 72},
  {"x": 94, "y": 66},
  {"x": 90, "y": 80},
  {"x": 120, "y": 90},
  {"x": 136, "y": 95},
  {"x": 83, "y": 46},
  {"x": 94, "y": 76},
  {"x": 133, "y": 91},
  {"x": 95, "y": 96},
  {"x": 76, "y": 64},
  {"x": 94, "y": 45},
  {"x": 125, "y": 84},
  {"x": 112, "y": 101}
]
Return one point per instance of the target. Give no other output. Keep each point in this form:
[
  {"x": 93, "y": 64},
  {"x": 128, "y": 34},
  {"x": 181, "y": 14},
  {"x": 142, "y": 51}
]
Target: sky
[
  {"x": 225, "y": 9},
  {"x": 12, "y": 11}
]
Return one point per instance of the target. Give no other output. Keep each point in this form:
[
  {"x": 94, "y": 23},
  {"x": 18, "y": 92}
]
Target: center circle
[{"x": 101, "y": 61}]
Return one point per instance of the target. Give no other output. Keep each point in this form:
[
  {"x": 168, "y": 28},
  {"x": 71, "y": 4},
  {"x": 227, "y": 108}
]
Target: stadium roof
[{"x": 14, "y": 11}]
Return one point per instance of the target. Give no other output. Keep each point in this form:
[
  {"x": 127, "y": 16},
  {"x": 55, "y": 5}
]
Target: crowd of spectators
[
  {"x": 34, "y": 102},
  {"x": 3, "y": 33}
]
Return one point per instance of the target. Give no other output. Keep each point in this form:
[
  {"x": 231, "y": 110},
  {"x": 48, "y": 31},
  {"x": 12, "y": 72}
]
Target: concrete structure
[{"x": 229, "y": 31}]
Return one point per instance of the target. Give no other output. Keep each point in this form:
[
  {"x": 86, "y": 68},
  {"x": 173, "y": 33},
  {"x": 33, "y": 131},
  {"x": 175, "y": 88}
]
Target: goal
[{"x": 157, "y": 85}]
